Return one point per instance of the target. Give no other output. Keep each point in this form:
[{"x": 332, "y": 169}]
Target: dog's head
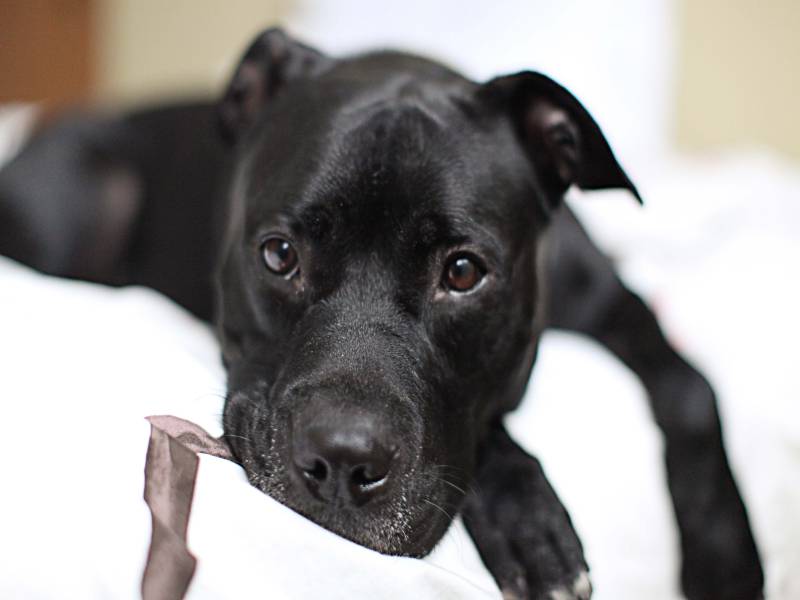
[{"x": 378, "y": 290}]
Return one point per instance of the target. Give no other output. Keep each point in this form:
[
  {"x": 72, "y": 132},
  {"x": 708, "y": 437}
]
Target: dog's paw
[
  {"x": 581, "y": 589},
  {"x": 522, "y": 531},
  {"x": 539, "y": 569}
]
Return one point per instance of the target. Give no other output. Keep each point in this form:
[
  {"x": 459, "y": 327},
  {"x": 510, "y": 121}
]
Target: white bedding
[{"x": 717, "y": 251}]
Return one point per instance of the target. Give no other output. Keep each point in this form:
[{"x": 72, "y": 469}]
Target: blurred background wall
[
  {"x": 703, "y": 74},
  {"x": 738, "y": 74},
  {"x": 151, "y": 48}
]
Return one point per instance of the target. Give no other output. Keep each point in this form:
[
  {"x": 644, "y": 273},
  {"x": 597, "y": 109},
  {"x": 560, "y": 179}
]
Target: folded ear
[
  {"x": 564, "y": 143},
  {"x": 272, "y": 60}
]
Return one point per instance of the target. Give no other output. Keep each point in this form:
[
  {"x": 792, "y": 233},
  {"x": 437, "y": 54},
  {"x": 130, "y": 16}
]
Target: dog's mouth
[
  {"x": 408, "y": 520},
  {"x": 408, "y": 523}
]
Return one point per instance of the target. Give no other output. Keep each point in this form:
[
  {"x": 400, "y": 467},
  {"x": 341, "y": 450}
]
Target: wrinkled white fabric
[
  {"x": 82, "y": 365},
  {"x": 717, "y": 252}
]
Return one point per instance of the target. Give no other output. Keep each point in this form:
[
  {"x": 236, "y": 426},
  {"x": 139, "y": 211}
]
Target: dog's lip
[
  {"x": 423, "y": 538},
  {"x": 420, "y": 539},
  {"x": 426, "y": 528}
]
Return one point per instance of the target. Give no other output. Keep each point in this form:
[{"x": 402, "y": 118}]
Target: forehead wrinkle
[
  {"x": 392, "y": 167},
  {"x": 324, "y": 150},
  {"x": 379, "y": 170}
]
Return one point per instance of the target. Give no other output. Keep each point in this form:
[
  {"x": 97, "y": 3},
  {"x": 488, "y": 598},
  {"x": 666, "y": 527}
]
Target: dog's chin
[
  {"x": 385, "y": 535},
  {"x": 410, "y": 522},
  {"x": 397, "y": 527}
]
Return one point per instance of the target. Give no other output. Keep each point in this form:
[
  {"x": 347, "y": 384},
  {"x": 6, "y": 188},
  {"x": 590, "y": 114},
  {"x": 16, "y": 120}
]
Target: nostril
[
  {"x": 347, "y": 462},
  {"x": 317, "y": 472},
  {"x": 365, "y": 480}
]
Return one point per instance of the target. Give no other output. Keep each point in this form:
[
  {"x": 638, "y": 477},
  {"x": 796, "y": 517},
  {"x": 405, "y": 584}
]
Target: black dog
[{"x": 390, "y": 242}]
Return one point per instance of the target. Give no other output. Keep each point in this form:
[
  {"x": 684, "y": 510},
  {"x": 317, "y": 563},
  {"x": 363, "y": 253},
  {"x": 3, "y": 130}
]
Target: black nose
[{"x": 350, "y": 462}]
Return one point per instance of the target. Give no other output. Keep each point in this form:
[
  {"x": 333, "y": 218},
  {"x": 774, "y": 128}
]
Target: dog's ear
[
  {"x": 272, "y": 60},
  {"x": 559, "y": 135}
]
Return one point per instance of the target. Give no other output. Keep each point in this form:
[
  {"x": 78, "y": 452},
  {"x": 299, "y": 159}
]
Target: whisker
[
  {"x": 451, "y": 484},
  {"x": 451, "y": 467},
  {"x": 461, "y": 477},
  {"x": 439, "y": 508}
]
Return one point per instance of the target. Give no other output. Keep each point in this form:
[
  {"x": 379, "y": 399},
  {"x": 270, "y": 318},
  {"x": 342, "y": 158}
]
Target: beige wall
[
  {"x": 737, "y": 70},
  {"x": 738, "y": 74},
  {"x": 152, "y": 48}
]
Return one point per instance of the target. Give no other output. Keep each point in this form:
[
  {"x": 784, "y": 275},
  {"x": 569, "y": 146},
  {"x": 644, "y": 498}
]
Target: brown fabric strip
[
  {"x": 170, "y": 472},
  {"x": 192, "y": 436}
]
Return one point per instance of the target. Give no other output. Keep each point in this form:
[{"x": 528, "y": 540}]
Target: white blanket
[{"x": 81, "y": 365}]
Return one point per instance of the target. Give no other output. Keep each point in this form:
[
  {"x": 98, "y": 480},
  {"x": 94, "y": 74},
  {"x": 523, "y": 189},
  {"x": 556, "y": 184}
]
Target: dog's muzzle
[{"x": 343, "y": 456}]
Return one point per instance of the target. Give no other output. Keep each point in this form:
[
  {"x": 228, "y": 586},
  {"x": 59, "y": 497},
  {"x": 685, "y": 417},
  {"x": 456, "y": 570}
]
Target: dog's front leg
[
  {"x": 720, "y": 558},
  {"x": 522, "y": 531}
]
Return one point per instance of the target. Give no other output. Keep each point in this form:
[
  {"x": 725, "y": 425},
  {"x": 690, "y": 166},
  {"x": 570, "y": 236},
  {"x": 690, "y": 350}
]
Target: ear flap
[
  {"x": 272, "y": 60},
  {"x": 563, "y": 141}
]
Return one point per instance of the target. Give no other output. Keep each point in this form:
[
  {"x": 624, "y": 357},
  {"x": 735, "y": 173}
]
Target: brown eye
[
  {"x": 462, "y": 274},
  {"x": 279, "y": 256}
]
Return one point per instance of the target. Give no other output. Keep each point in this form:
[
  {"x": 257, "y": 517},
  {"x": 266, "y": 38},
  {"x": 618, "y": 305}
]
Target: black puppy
[{"x": 390, "y": 242}]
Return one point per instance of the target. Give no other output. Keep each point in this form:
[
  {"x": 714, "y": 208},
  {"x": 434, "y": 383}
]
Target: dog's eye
[
  {"x": 462, "y": 274},
  {"x": 279, "y": 256}
]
